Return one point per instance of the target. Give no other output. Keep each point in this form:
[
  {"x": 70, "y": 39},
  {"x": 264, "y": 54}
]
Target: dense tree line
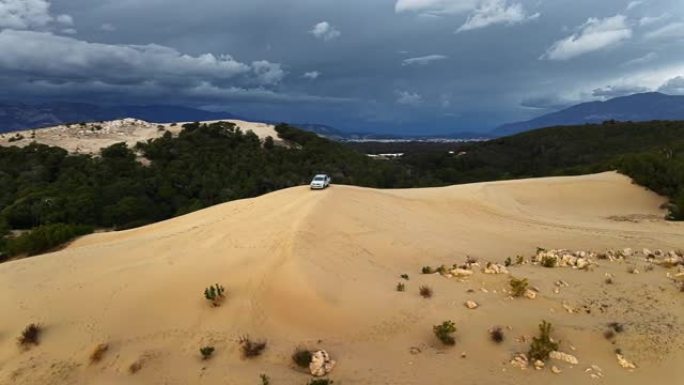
[{"x": 208, "y": 164}]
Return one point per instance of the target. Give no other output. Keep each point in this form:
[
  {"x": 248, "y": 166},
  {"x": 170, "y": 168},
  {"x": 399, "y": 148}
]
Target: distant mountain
[
  {"x": 17, "y": 116},
  {"x": 638, "y": 107}
]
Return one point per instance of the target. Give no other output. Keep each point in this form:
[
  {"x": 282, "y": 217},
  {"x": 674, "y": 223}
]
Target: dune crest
[{"x": 301, "y": 266}]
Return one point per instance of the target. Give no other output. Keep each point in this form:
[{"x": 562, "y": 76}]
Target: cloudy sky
[{"x": 411, "y": 66}]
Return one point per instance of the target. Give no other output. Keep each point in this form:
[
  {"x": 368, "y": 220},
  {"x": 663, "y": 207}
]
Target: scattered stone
[
  {"x": 627, "y": 252},
  {"x": 530, "y": 294},
  {"x": 415, "y": 350},
  {"x": 539, "y": 364},
  {"x": 560, "y": 356},
  {"x": 471, "y": 305},
  {"x": 321, "y": 364},
  {"x": 624, "y": 363},
  {"x": 463, "y": 355},
  {"x": 520, "y": 361},
  {"x": 555, "y": 370}
]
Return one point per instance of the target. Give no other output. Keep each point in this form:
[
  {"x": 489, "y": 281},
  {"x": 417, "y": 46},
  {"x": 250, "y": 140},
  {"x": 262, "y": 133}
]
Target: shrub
[
  {"x": 401, "y": 287},
  {"x": 442, "y": 269},
  {"x": 508, "y": 262},
  {"x": 45, "y": 238},
  {"x": 444, "y": 331},
  {"x": 609, "y": 334},
  {"x": 98, "y": 353},
  {"x": 548, "y": 261},
  {"x": 30, "y": 335},
  {"x": 405, "y": 276},
  {"x": 265, "y": 380},
  {"x": 321, "y": 381},
  {"x": 135, "y": 366},
  {"x": 215, "y": 294},
  {"x": 425, "y": 291},
  {"x": 427, "y": 270},
  {"x": 608, "y": 280},
  {"x": 542, "y": 345},
  {"x": 251, "y": 348},
  {"x": 616, "y": 327},
  {"x": 206, "y": 352},
  {"x": 302, "y": 357},
  {"x": 518, "y": 286},
  {"x": 519, "y": 260},
  {"x": 496, "y": 334}
]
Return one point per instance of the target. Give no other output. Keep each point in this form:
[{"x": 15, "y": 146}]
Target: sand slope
[{"x": 319, "y": 269}]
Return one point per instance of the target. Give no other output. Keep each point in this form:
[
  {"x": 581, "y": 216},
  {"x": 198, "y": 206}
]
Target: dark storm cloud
[{"x": 409, "y": 65}]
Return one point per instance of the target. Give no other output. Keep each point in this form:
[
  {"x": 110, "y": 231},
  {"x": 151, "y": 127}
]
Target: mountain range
[
  {"x": 637, "y": 107},
  {"x": 19, "y": 116}
]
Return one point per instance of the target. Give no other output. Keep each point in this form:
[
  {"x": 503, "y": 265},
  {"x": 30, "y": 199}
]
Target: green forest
[{"x": 50, "y": 196}]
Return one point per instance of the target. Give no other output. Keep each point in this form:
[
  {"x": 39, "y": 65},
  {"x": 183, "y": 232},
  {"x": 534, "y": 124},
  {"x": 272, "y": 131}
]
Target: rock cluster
[
  {"x": 564, "y": 258},
  {"x": 494, "y": 268},
  {"x": 321, "y": 364}
]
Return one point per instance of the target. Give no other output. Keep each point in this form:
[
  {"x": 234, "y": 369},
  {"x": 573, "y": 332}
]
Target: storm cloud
[{"x": 411, "y": 66}]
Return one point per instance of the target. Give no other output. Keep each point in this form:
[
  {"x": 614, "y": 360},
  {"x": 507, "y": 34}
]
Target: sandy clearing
[
  {"x": 319, "y": 269},
  {"x": 90, "y": 138}
]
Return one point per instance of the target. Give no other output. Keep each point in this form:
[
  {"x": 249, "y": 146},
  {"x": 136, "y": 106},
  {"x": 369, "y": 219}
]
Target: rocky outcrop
[{"x": 494, "y": 268}]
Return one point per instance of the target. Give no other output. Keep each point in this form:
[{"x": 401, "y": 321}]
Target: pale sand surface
[
  {"x": 319, "y": 269},
  {"x": 92, "y": 137}
]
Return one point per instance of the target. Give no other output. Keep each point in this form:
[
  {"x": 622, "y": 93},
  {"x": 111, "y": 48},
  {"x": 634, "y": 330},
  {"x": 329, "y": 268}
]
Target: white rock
[
  {"x": 624, "y": 363},
  {"x": 569, "y": 358},
  {"x": 627, "y": 252},
  {"x": 471, "y": 305},
  {"x": 458, "y": 272},
  {"x": 520, "y": 361},
  {"x": 539, "y": 365},
  {"x": 530, "y": 294},
  {"x": 321, "y": 364},
  {"x": 555, "y": 369}
]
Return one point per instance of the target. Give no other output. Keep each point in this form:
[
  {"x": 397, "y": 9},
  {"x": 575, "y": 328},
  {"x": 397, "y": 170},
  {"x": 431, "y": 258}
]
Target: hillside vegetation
[{"x": 209, "y": 164}]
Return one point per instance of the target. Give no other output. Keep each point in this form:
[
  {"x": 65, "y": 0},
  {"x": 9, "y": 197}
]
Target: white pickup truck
[{"x": 320, "y": 181}]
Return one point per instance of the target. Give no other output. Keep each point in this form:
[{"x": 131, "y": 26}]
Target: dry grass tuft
[
  {"x": 99, "y": 352},
  {"x": 251, "y": 349},
  {"x": 425, "y": 291},
  {"x": 30, "y": 335}
]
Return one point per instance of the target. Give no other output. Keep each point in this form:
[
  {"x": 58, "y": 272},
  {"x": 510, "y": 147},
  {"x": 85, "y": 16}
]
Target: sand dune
[
  {"x": 319, "y": 269},
  {"x": 90, "y": 138}
]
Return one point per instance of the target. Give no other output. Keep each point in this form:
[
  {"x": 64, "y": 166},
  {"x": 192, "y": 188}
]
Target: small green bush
[
  {"x": 508, "y": 262},
  {"x": 265, "y": 380},
  {"x": 206, "y": 352},
  {"x": 214, "y": 294},
  {"x": 542, "y": 345},
  {"x": 427, "y": 270},
  {"x": 302, "y": 357},
  {"x": 519, "y": 260},
  {"x": 405, "y": 276},
  {"x": 401, "y": 287},
  {"x": 444, "y": 332},
  {"x": 518, "y": 286},
  {"x": 425, "y": 291},
  {"x": 442, "y": 269},
  {"x": 497, "y": 335}
]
